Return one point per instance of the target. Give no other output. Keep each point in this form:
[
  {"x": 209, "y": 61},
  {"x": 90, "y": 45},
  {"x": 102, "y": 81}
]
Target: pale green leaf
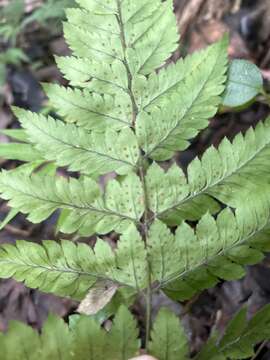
[
  {"x": 61, "y": 269},
  {"x": 19, "y": 151},
  {"x": 166, "y": 128},
  {"x": 68, "y": 145},
  {"x": 92, "y": 111},
  {"x": 244, "y": 83},
  {"x": 228, "y": 173},
  {"x": 91, "y": 211},
  {"x": 143, "y": 34},
  {"x": 218, "y": 248},
  {"x": 158, "y": 38},
  {"x": 169, "y": 196},
  {"x": 71, "y": 270},
  {"x": 94, "y": 75}
]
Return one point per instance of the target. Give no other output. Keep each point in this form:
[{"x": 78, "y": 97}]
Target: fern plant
[{"x": 120, "y": 116}]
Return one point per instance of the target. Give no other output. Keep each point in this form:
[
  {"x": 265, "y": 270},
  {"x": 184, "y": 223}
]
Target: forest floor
[{"x": 201, "y": 23}]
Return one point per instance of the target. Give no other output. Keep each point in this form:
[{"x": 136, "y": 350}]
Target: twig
[
  {"x": 16, "y": 231},
  {"x": 189, "y": 13},
  {"x": 259, "y": 350}
]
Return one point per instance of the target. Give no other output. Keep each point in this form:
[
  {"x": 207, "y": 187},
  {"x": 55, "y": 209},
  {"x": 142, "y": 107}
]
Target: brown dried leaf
[{"x": 98, "y": 297}]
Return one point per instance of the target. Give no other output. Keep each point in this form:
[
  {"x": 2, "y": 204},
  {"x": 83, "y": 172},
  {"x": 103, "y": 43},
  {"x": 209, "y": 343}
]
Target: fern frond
[
  {"x": 56, "y": 340},
  {"x": 63, "y": 269},
  {"x": 123, "y": 338},
  {"x": 124, "y": 31},
  {"x": 240, "y": 337},
  {"x": 168, "y": 337},
  {"x": 68, "y": 145},
  {"x": 71, "y": 270},
  {"x": 226, "y": 174},
  {"x": 99, "y": 77},
  {"x": 190, "y": 261},
  {"x": 15, "y": 134},
  {"x": 90, "y": 211},
  {"x": 19, "y": 151},
  {"x": 89, "y": 339},
  {"x": 150, "y": 46},
  {"x": 161, "y": 86},
  {"x": 167, "y": 194},
  {"x": 131, "y": 259},
  {"x": 165, "y": 128},
  {"x": 92, "y": 111},
  {"x": 84, "y": 339},
  {"x": 26, "y": 339}
]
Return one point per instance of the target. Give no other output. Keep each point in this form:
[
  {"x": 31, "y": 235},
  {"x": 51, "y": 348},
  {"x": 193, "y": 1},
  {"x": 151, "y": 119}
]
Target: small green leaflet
[{"x": 169, "y": 341}]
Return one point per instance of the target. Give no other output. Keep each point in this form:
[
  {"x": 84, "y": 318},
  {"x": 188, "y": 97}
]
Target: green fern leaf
[
  {"x": 221, "y": 171},
  {"x": 90, "y": 211},
  {"x": 226, "y": 174},
  {"x": 217, "y": 249},
  {"x": 161, "y": 86},
  {"x": 240, "y": 337},
  {"x": 87, "y": 73},
  {"x": 123, "y": 340},
  {"x": 92, "y": 111},
  {"x": 117, "y": 115},
  {"x": 70, "y": 270},
  {"x": 89, "y": 340},
  {"x": 163, "y": 130},
  {"x": 124, "y": 31},
  {"x": 131, "y": 259},
  {"x": 25, "y": 338},
  {"x": 168, "y": 338},
  {"x": 16, "y": 134},
  {"x": 10, "y": 216},
  {"x": 61, "y": 269},
  {"x": 68, "y": 145},
  {"x": 169, "y": 196},
  {"x": 84, "y": 339},
  {"x": 154, "y": 42},
  {"x": 18, "y": 151},
  {"x": 56, "y": 340}
]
